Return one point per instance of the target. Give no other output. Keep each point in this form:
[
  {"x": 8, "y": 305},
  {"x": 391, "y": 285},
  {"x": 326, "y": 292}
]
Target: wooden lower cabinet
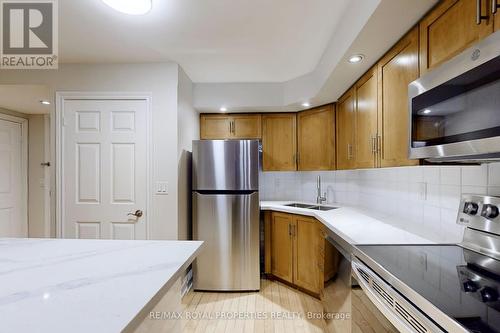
[{"x": 297, "y": 253}]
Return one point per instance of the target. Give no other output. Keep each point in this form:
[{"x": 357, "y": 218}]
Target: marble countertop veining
[
  {"x": 63, "y": 285},
  {"x": 354, "y": 225}
]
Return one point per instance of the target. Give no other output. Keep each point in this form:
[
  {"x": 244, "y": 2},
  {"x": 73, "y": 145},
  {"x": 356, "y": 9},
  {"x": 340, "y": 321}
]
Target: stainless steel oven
[{"x": 455, "y": 109}]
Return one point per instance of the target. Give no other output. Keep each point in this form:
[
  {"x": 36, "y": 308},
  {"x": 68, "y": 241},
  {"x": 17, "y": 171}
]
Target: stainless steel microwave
[{"x": 455, "y": 108}]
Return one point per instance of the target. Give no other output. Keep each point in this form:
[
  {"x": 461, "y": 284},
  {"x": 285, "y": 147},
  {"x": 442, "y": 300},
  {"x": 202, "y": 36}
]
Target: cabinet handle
[
  {"x": 379, "y": 143},
  {"x": 494, "y": 6},
  {"x": 230, "y": 127},
  {"x": 349, "y": 151},
  {"x": 479, "y": 16},
  {"x": 290, "y": 230},
  {"x": 374, "y": 144},
  {"x": 234, "y": 127}
]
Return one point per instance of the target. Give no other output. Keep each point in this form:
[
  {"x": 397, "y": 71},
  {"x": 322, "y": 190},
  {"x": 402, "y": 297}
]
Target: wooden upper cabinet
[
  {"x": 366, "y": 120},
  {"x": 214, "y": 127},
  {"x": 247, "y": 126},
  {"x": 237, "y": 126},
  {"x": 345, "y": 130},
  {"x": 450, "y": 28},
  {"x": 282, "y": 246},
  {"x": 279, "y": 142},
  {"x": 316, "y": 138},
  {"x": 396, "y": 70},
  {"x": 308, "y": 265}
]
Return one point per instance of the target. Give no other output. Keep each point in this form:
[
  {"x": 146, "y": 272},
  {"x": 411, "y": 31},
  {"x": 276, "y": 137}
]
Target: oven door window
[{"x": 462, "y": 109}]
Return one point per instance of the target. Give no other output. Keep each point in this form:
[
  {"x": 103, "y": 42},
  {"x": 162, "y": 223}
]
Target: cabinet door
[
  {"x": 345, "y": 114},
  {"x": 215, "y": 127},
  {"x": 282, "y": 246},
  {"x": 496, "y": 16},
  {"x": 246, "y": 126},
  {"x": 316, "y": 138},
  {"x": 366, "y": 120},
  {"x": 308, "y": 268},
  {"x": 279, "y": 142},
  {"x": 449, "y": 29},
  {"x": 396, "y": 70}
]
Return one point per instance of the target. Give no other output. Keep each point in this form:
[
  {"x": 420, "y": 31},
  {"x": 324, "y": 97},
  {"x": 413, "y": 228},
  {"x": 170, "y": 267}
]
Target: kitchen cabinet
[
  {"x": 282, "y": 244},
  {"x": 366, "y": 120},
  {"x": 345, "y": 130},
  {"x": 450, "y": 28},
  {"x": 396, "y": 70},
  {"x": 279, "y": 142},
  {"x": 496, "y": 14},
  {"x": 316, "y": 138},
  {"x": 296, "y": 251},
  {"x": 235, "y": 126}
]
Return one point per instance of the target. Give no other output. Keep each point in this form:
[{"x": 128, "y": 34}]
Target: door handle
[
  {"x": 479, "y": 16},
  {"x": 494, "y": 6},
  {"x": 138, "y": 213}
]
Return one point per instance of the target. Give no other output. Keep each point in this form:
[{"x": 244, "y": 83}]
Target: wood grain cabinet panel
[
  {"x": 282, "y": 246},
  {"x": 316, "y": 138},
  {"x": 345, "y": 130},
  {"x": 215, "y": 127},
  {"x": 366, "y": 120},
  {"x": 451, "y": 28},
  {"x": 308, "y": 263},
  {"x": 396, "y": 70},
  {"x": 237, "y": 126},
  {"x": 247, "y": 126},
  {"x": 496, "y": 15},
  {"x": 279, "y": 142}
]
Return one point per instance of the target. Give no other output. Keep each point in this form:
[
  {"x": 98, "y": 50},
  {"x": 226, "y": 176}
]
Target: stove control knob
[
  {"x": 471, "y": 208},
  {"x": 470, "y": 286},
  {"x": 489, "y": 211},
  {"x": 489, "y": 294}
]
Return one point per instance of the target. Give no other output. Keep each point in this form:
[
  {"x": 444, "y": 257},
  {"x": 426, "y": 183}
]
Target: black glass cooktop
[{"x": 463, "y": 284}]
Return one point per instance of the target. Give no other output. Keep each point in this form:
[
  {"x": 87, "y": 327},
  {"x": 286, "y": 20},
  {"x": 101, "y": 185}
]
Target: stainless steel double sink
[{"x": 309, "y": 206}]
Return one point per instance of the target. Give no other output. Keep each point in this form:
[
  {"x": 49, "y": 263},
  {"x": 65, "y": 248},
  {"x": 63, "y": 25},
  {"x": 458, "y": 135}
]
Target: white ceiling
[
  {"x": 212, "y": 40},
  {"x": 25, "y": 98}
]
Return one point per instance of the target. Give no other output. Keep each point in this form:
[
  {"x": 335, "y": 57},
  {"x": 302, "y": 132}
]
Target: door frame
[
  {"x": 61, "y": 97},
  {"x": 24, "y": 165}
]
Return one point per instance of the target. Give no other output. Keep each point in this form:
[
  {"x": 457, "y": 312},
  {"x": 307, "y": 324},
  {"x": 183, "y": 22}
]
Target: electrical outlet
[{"x": 161, "y": 188}]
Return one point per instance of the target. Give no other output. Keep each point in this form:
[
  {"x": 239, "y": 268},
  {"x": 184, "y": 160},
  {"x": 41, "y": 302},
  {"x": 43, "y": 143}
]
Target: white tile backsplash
[{"x": 423, "y": 199}]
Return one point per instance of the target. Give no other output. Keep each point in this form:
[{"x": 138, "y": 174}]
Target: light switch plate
[{"x": 161, "y": 188}]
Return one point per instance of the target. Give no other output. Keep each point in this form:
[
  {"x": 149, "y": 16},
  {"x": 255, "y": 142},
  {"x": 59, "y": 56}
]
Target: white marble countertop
[
  {"x": 353, "y": 225},
  {"x": 62, "y": 285}
]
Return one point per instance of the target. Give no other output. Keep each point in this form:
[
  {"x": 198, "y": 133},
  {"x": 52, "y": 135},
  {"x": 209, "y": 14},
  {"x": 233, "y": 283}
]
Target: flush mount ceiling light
[
  {"x": 223, "y": 109},
  {"x": 426, "y": 111},
  {"x": 306, "y": 104},
  {"x": 356, "y": 58},
  {"x": 45, "y": 102},
  {"x": 131, "y": 7}
]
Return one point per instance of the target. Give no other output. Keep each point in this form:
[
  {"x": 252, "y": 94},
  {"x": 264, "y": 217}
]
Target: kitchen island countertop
[{"x": 63, "y": 285}]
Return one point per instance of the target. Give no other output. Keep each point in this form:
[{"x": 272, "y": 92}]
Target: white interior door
[
  {"x": 13, "y": 222},
  {"x": 105, "y": 175}
]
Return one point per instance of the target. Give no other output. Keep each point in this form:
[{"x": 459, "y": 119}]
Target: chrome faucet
[{"x": 319, "y": 199}]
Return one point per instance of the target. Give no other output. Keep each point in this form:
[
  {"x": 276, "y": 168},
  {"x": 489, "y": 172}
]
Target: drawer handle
[{"x": 479, "y": 16}]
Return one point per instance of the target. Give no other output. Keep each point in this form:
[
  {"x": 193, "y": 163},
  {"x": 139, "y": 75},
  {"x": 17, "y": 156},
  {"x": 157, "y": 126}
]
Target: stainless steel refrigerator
[{"x": 226, "y": 214}]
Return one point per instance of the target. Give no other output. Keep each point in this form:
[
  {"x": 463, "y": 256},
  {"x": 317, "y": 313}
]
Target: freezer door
[
  {"x": 229, "y": 226},
  {"x": 226, "y": 165}
]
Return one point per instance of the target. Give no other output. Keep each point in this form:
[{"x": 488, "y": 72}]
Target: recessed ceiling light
[
  {"x": 306, "y": 104},
  {"x": 356, "y": 58},
  {"x": 426, "y": 111},
  {"x": 223, "y": 109},
  {"x": 45, "y": 102},
  {"x": 131, "y": 7}
]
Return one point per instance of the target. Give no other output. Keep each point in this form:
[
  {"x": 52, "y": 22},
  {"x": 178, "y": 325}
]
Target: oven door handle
[{"x": 398, "y": 311}]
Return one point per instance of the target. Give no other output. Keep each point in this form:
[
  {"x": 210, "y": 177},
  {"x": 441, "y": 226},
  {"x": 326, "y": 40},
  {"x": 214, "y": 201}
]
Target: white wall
[
  {"x": 161, "y": 80},
  {"x": 188, "y": 126},
  {"x": 423, "y": 200}
]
